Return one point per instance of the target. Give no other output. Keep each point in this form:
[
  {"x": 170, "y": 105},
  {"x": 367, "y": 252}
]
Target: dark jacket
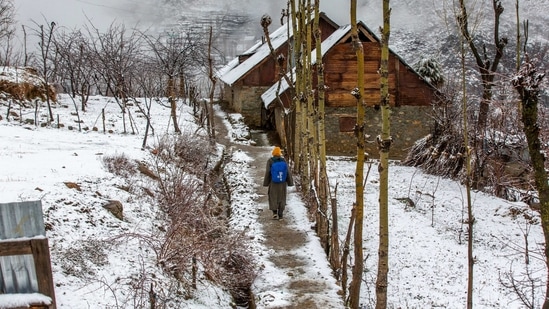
[{"x": 277, "y": 191}]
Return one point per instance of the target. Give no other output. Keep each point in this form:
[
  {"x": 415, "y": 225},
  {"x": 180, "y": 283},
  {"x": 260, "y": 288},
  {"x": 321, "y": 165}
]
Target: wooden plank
[
  {"x": 42, "y": 265},
  {"x": 15, "y": 247},
  {"x": 371, "y": 81},
  {"x": 397, "y": 85},
  {"x": 345, "y": 99},
  {"x": 349, "y": 66},
  {"x": 372, "y": 50}
]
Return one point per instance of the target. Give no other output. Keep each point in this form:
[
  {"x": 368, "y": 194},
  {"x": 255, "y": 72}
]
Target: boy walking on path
[{"x": 277, "y": 177}]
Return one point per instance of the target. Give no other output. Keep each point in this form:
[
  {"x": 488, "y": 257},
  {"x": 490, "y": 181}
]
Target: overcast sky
[{"x": 73, "y": 13}]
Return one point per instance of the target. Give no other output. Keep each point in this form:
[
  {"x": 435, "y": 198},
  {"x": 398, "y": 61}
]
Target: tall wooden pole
[{"x": 354, "y": 289}]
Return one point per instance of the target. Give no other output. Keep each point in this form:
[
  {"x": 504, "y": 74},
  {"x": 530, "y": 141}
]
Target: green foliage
[{"x": 430, "y": 70}]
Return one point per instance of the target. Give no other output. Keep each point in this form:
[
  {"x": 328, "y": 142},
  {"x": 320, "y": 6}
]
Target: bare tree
[
  {"x": 297, "y": 30},
  {"x": 384, "y": 141},
  {"x": 116, "y": 54},
  {"x": 487, "y": 67},
  {"x": 331, "y": 244},
  {"x": 151, "y": 91},
  {"x": 75, "y": 64},
  {"x": 175, "y": 53},
  {"x": 527, "y": 83},
  {"x": 210, "y": 110},
  {"x": 46, "y": 62},
  {"x": 7, "y": 28},
  {"x": 7, "y": 20},
  {"x": 468, "y": 171},
  {"x": 356, "y": 281}
]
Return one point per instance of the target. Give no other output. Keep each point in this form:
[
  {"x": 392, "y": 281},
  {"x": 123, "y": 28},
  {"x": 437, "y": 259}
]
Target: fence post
[{"x": 42, "y": 266}]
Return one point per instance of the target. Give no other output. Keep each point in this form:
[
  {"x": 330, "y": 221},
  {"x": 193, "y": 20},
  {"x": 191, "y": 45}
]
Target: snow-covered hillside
[{"x": 96, "y": 264}]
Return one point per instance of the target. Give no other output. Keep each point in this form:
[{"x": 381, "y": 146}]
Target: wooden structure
[
  {"x": 411, "y": 97},
  {"x": 250, "y": 74},
  {"x": 25, "y": 266}
]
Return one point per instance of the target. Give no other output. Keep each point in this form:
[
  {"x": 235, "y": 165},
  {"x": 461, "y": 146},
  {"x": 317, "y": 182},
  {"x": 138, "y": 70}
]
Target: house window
[{"x": 347, "y": 123}]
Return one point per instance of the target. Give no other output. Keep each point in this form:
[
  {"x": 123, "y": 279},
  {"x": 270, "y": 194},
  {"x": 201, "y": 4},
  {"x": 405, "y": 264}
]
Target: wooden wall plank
[
  {"x": 15, "y": 247},
  {"x": 42, "y": 265}
]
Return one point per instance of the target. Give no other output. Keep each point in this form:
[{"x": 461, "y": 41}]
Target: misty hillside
[
  {"x": 426, "y": 28},
  {"x": 420, "y": 28}
]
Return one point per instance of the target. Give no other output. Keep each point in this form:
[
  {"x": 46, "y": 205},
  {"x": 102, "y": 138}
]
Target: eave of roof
[
  {"x": 234, "y": 62},
  {"x": 235, "y": 70}
]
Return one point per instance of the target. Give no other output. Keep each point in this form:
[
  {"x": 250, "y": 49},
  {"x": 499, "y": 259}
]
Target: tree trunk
[
  {"x": 384, "y": 145},
  {"x": 527, "y": 85},
  {"x": 173, "y": 104},
  {"x": 468, "y": 181},
  {"x": 306, "y": 105},
  {"x": 297, "y": 27},
  {"x": 45, "y": 49},
  {"x": 332, "y": 243},
  {"x": 211, "y": 124},
  {"x": 346, "y": 249},
  {"x": 354, "y": 290},
  {"x": 486, "y": 67}
]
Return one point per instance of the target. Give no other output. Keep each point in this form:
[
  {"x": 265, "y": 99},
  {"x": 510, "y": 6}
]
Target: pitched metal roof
[
  {"x": 233, "y": 63},
  {"x": 234, "y": 70}
]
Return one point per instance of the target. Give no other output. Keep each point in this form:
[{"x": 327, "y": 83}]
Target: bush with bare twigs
[
  {"x": 195, "y": 242},
  {"x": 198, "y": 237},
  {"x": 120, "y": 165},
  {"x": 499, "y": 155}
]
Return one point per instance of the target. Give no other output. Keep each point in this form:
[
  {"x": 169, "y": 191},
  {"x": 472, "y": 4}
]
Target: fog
[
  {"x": 406, "y": 14},
  {"x": 414, "y": 23},
  {"x": 75, "y": 13}
]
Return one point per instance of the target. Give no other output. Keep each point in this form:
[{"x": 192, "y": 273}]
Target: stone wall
[
  {"x": 247, "y": 101},
  {"x": 408, "y": 124}
]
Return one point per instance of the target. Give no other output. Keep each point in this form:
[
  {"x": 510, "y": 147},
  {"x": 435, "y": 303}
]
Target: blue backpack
[{"x": 279, "y": 171}]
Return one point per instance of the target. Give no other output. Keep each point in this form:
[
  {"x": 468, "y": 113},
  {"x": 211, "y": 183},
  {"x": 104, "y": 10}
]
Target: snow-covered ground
[
  {"x": 94, "y": 267},
  {"x": 428, "y": 241}
]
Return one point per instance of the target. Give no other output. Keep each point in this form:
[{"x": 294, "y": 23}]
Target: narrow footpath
[{"x": 306, "y": 281}]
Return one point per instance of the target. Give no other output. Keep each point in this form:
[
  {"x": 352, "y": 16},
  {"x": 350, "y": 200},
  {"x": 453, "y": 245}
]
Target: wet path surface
[{"x": 304, "y": 280}]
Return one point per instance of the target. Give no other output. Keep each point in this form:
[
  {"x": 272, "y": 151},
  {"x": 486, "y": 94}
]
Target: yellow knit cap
[{"x": 277, "y": 152}]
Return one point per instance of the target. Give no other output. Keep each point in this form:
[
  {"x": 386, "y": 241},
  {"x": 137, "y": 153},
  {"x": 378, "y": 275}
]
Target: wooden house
[
  {"x": 250, "y": 74},
  {"x": 411, "y": 97}
]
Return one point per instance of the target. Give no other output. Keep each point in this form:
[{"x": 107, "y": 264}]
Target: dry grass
[
  {"x": 28, "y": 88},
  {"x": 120, "y": 164},
  {"x": 196, "y": 240}
]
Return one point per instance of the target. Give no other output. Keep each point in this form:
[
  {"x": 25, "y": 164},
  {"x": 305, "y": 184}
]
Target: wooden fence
[{"x": 22, "y": 234}]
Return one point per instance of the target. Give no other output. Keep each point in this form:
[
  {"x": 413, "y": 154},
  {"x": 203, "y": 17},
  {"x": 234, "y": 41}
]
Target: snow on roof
[
  {"x": 233, "y": 63},
  {"x": 229, "y": 75},
  {"x": 270, "y": 95},
  {"x": 23, "y": 300},
  {"x": 229, "y": 66}
]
